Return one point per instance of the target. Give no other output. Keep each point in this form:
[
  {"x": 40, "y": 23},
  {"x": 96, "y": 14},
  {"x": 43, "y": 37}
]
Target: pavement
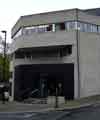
[
  {"x": 84, "y": 108},
  {"x": 81, "y": 103},
  {"x": 68, "y": 105}
]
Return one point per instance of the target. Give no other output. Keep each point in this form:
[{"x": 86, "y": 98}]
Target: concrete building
[{"x": 59, "y": 49}]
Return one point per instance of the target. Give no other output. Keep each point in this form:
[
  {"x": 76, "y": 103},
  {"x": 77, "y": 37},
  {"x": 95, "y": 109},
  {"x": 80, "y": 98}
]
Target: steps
[
  {"x": 48, "y": 100},
  {"x": 51, "y": 100},
  {"x": 35, "y": 101}
]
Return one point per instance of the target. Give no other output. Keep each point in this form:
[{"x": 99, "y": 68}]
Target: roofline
[
  {"x": 56, "y": 11},
  {"x": 43, "y": 13},
  {"x": 91, "y": 9}
]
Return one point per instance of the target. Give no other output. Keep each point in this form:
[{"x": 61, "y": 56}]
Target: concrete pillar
[{"x": 11, "y": 98}]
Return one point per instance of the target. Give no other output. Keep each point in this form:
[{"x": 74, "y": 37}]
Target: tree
[
  {"x": 4, "y": 68},
  {"x": 4, "y": 60}
]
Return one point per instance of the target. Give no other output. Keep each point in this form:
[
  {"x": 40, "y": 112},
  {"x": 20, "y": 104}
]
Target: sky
[{"x": 11, "y": 10}]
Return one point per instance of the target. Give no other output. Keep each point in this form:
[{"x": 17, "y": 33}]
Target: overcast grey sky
[{"x": 11, "y": 10}]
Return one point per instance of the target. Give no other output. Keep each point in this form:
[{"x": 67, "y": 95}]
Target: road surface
[{"x": 90, "y": 113}]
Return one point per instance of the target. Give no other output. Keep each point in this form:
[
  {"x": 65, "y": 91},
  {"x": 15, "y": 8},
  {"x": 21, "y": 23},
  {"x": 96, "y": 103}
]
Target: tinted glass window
[
  {"x": 99, "y": 29},
  {"x": 60, "y": 26},
  {"x": 89, "y": 28},
  {"x": 70, "y": 25},
  {"x": 94, "y": 28}
]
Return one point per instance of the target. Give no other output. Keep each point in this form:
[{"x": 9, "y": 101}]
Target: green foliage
[{"x": 4, "y": 68}]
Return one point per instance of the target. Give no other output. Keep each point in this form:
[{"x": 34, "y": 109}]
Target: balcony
[{"x": 43, "y": 40}]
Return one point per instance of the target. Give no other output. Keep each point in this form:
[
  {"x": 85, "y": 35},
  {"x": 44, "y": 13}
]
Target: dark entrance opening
[
  {"x": 40, "y": 80},
  {"x": 48, "y": 84}
]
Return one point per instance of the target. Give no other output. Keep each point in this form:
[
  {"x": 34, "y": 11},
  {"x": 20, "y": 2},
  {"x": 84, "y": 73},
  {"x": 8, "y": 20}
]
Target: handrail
[{"x": 34, "y": 91}]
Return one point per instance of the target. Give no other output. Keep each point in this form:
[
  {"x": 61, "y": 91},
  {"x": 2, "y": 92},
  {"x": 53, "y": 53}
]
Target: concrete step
[
  {"x": 48, "y": 100},
  {"x": 52, "y": 99},
  {"x": 35, "y": 101}
]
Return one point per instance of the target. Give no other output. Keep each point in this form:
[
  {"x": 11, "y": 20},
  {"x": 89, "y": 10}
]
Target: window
[
  {"x": 49, "y": 28},
  {"x": 82, "y": 27},
  {"x": 86, "y": 27},
  {"x": 60, "y": 26},
  {"x": 77, "y": 25},
  {"x": 25, "y": 32},
  {"x": 94, "y": 28},
  {"x": 19, "y": 55},
  {"x": 89, "y": 27},
  {"x": 27, "y": 55},
  {"x": 70, "y": 25},
  {"x": 98, "y": 29},
  {"x": 37, "y": 29},
  {"x": 42, "y": 28},
  {"x": 66, "y": 50},
  {"x": 67, "y": 25},
  {"x": 29, "y": 30},
  {"x": 69, "y": 49}
]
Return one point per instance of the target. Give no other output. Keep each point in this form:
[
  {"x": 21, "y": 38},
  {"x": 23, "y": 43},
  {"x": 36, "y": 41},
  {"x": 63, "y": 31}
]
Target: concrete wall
[
  {"x": 46, "y": 60},
  {"x": 44, "y": 18},
  {"x": 89, "y": 63},
  {"x": 44, "y": 39},
  {"x": 82, "y": 16}
]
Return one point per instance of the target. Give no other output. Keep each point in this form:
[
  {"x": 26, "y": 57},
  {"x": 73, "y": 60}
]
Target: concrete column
[
  {"x": 74, "y": 49},
  {"x": 11, "y": 98}
]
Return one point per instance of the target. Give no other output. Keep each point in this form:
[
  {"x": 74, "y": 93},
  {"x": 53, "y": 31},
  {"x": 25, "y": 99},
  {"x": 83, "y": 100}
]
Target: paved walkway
[
  {"x": 69, "y": 105},
  {"x": 21, "y": 107}
]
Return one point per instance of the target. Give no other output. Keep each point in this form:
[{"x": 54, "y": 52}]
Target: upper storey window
[
  {"x": 37, "y": 29},
  {"x": 29, "y": 30},
  {"x": 44, "y": 28},
  {"x": 87, "y": 27},
  {"x": 41, "y": 28},
  {"x": 59, "y": 26},
  {"x": 68, "y": 25},
  {"x": 98, "y": 29},
  {"x": 82, "y": 26},
  {"x": 94, "y": 28}
]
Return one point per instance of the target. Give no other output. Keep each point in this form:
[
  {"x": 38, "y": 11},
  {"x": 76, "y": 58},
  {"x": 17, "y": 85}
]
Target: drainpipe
[{"x": 78, "y": 53}]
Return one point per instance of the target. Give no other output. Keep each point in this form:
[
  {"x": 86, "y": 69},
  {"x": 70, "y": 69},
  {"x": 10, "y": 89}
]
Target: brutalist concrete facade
[{"x": 82, "y": 34}]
